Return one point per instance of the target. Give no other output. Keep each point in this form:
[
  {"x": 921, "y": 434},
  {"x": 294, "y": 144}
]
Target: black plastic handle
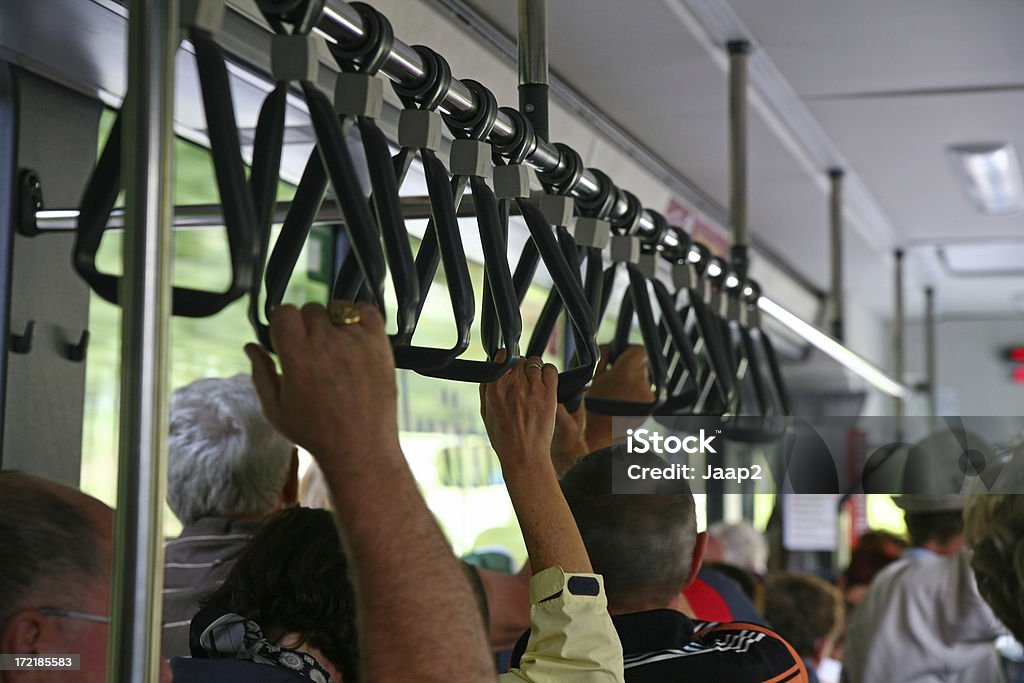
[
  {"x": 344, "y": 179},
  {"x": 441, "y": 243},
  {"x": 263, "y": 180},
  {"x": 758, "y": 418},
  {"x": 309, "y": 195},
  {"x": 387, "y": 208},
  {"x": 544, "y": 246},
  {"x": 239, "y": 213},
  {"x": 637, "y": 303},
  {"x": 499, "y": 281}
]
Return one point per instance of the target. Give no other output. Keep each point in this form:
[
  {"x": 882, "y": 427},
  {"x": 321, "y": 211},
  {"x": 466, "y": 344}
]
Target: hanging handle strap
[
  {"x": 573, "y": 380},
  {"x": 104, "y": 185},
  {"x": 294, "y": 59},
  {"x": 359, "y": 99},
  {"x": 442, "y": 241}
]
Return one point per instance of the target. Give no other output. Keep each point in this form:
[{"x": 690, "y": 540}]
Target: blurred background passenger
[
  {"x": 872, "y": 552},
  {"x": 228, "y": 468},
  {"x": 808, "y": 612},
  {"x": 738, "y": 544},
  {"x": 288, "y": 602},
  {"x": 922, "y": 618}
]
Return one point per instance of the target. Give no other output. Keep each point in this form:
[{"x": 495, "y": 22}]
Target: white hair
[
  {"x": 225, "y": 459},
  {"x": 742, "y": 545}
]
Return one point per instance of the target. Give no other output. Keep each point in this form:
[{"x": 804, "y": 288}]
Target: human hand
[
  {"x": 519, "y": 411},
  {"x": 337, "y": 387},
  {"x": 625, "y": 379},
  {"x": 568, "y": 446}
]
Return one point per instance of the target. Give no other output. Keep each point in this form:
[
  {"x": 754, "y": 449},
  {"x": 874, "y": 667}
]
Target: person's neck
[{"x": 678, "y": 604}]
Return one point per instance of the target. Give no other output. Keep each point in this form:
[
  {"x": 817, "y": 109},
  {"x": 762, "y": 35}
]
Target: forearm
[
  {"x": 548, "y": 527},
  {"x": 408, "y": 582}
]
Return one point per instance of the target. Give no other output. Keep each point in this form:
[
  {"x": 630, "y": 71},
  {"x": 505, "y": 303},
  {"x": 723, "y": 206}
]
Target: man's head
[
  {"x": 995, "y": 532},
  {"x": 934, "y": 521},
  {"x": 645, "y": 545},
  {"x": 807, "y": 611},
  {"x": 54, "y": 572},
  {"x": 225, "y": 459}
]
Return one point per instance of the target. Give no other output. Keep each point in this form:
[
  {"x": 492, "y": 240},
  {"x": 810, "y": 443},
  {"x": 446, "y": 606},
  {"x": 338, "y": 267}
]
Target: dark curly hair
[{"x": 293, "y": 578}]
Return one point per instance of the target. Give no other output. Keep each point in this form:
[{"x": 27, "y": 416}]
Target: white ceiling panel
[{"x": 830, "y": 47}]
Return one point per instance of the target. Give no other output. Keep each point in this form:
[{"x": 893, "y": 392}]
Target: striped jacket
[
  {"x": 195, "y": 564},
  {"x": 665, "y": 646}
]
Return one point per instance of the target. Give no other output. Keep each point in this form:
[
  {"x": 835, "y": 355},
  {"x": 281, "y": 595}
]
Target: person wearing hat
[{"x": 922, "y": 620}]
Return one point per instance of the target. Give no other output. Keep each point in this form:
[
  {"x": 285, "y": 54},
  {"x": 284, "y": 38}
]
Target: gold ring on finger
[{"x": 343, "y": 313}]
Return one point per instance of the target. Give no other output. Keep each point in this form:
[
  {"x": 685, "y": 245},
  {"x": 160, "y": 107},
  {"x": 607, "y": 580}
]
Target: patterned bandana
[{"x": 233, "y": 636}]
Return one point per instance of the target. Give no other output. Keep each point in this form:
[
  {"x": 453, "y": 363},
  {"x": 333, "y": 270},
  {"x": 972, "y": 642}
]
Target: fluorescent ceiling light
[
  {"x": 990, "y": 173},
  {"x": 834, "y": 349}
]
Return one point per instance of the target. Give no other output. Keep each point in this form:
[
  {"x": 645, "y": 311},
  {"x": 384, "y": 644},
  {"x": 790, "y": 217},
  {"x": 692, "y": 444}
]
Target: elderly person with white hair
[{"x": 228, "y": 469}]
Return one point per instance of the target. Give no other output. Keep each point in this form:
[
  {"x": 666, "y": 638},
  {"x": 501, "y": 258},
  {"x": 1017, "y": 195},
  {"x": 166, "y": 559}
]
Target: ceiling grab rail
[
  {"x": 105, "y": 183},
  {"x": 294, "y": 59}
]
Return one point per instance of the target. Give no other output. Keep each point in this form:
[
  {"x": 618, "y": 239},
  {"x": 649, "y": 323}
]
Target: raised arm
[
  {"x": 519, "y": 413},
  {"x": 336, "y": 397},
  {"x": 572, "y": 639}
]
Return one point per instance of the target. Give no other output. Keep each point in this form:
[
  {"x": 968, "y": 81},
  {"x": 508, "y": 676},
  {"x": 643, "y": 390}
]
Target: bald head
[{"x": 53, "y": 536}]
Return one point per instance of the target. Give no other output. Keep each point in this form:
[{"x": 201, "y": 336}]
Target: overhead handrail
[
  {"x": 105, "y": 183},
  {"x": 294, "y": 59}
]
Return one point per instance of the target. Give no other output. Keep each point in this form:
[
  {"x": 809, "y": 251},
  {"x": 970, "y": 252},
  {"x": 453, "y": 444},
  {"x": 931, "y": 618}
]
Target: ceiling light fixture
[
  {"x": 990, "y": 173},
  {"x": 837, "y": 351}
]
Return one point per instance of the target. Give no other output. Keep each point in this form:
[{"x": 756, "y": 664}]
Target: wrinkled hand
[
  {"x": 519, "y": 411},
  {"x": 336, "y": 389},
  {"x": 626, "y": 379},
  {"x": 568, "y": 446}
]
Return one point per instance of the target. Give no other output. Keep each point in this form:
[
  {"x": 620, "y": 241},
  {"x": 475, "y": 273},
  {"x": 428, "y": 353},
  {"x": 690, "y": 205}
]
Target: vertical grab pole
[
  {"x": 533, "y": 64},
  {"x": 929, "y": 350},
  {"x": 134, "y": 646},
  {"x": 738, "y": 52},
  {"x": 836, "y": 224},
  {"x": 897, "y": 341},
  {"x": 8, "y": 180}
]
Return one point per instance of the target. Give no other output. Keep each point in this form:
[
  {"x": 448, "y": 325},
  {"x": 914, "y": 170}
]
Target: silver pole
[
  {"x": 897, "y": 339},
  {"x": 403, "y": 65},
  {"x": 210, "y": 215},
  {"x": 738, "y": 52},
  {"x": 533, "y": 64},
  {"x": 929, "y": 350},
  {"x": 134, "y": 648},
  {"x": 836, "y": 224}
]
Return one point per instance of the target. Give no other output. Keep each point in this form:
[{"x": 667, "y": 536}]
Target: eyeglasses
[{"x": 74, "y": 614}]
